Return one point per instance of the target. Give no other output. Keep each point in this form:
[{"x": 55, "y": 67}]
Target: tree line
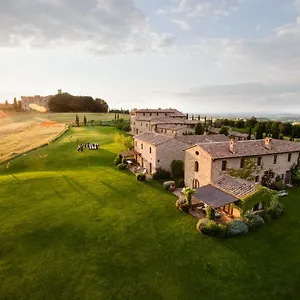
[
  {"x": 16, "y": 106},
  {"x": 68, "y": 103},
  {"x": 261, "y": 129}
]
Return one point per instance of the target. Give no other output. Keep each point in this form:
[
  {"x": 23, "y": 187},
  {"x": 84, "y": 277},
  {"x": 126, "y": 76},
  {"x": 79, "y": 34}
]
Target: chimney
[
  {"x": 232, "y": 146},
  {"x": 268, "y": 143}
]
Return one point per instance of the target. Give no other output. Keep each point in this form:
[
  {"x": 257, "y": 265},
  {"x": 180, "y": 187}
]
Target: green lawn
[{"x": 73, "y": 227}]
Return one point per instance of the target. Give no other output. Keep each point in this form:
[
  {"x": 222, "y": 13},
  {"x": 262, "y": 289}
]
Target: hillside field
[
  {"x": 74, "y": 227},
  {"x": 22, "y": 132}
]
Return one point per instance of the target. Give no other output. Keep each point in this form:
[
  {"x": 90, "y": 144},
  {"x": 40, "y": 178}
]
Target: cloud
[
  {"x": 99, "y": 26},
  {"x": 161, "y": 11},
  {"x": 200, "y": 9},
  {"x": 182, "y": 24}
]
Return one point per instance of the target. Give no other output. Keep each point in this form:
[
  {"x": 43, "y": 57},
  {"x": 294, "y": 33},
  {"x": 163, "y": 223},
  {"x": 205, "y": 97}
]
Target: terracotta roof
[
  {"x": 171, "y": 127},
  {"x": 153, "y": 138},
  {"x": 166, "y": 120},
  {"x": 236, "y": 187},
  {"x": 195, "y": 139},
  {"x": 249, "y": 148},
  {"x": 172, "y": 111},
  {"x": 129, "y": 153}
]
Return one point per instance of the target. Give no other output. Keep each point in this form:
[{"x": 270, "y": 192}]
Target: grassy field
[
  {"x": 74, "y": 227},
  {"x": 22, "y": 132}
]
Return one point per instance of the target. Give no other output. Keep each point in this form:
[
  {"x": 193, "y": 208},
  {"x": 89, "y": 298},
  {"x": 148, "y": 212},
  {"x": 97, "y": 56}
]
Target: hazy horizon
[{"x": 230, "y": 56}]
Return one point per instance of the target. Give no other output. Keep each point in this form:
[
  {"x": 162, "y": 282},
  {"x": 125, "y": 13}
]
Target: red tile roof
[
  {"x": 153, "y": 138},
  {"x": 249, "y": 148}
]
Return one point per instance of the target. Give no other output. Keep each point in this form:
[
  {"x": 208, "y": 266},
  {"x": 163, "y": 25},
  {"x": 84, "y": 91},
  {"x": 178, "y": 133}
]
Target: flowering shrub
[
  {"x": 237, "y": 227},
  {"x": 253, "y": 221}
]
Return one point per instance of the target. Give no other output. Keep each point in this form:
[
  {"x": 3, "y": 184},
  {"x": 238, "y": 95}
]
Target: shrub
[
  {"x": 117, "y": 160},
  {"x": 161, "y": 174},
  {"x": 141, "y": 177},
  {"x": 124, "y": 161},
  {"x": 126, "y": 127},
  {"x": 180, "y": 183},
  {"x": 237, "y": 227},
  {"x": 210, "y": 228},
  {"x": 278, "y": 186},
  {"x": 276, "y": 208},
  {"x": 253, "y": 221},
  {"x": 201, "y": 224},
  {"x": 182, "y": 205},
  {"x": 121, "y": 166},
  {"x": 210, "y": 213},
  {"x": 168, "y": 184},
  {"x": 177, "y": 168}
]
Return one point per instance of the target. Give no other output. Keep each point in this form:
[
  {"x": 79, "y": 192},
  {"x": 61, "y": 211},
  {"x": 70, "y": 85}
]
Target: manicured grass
[{"x": 74, "y": 227}]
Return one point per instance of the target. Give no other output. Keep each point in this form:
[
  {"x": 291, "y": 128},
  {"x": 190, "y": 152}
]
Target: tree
[
  {"x": 267, "y": 178},
  {"x": 250, "y": 134},
  {"x": 77, "y": 121},
  {"x": 177, "y": 168},
  {"x": 251, "y": 122},
  {"x": 224, "y": 130},
  {"x": 275, "y": 130},
  {"x": 247, "y": 172},
  {"x": 125, "y": 142},
  {"x": 6, "y": 103},
  {"x": 259, "y": 131},
  {"x": 15, "y": 104},
  {"x": 101, "y": 105},
  {"x": 19, "y": 105},
  {"x": 205, "y": 121},
  {"x": 84, "y": 121},
  {"x": 286, "y": 129},
  {"x": 239, "y": 124},
  {"x": 199, "y": 130}
]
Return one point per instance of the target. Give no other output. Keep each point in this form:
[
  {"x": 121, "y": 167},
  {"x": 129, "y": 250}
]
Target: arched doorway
[{"x": 196, "y": 184}]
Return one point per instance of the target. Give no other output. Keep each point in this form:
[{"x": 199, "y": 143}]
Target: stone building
[
  {"x": 206, "y": 162},
  {"x": 39, "y": 100}
]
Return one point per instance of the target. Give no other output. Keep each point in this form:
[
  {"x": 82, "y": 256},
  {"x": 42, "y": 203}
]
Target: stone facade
[
  {"x": 154, "y": 156},
  {"x": 211, "y": 168},
  {"x": 39, "y": 100}
]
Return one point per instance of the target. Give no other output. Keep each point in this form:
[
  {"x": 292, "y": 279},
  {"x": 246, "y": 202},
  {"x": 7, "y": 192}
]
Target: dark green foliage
[
  {"x": 251, "y": 122},
  {"x": 84, "y": 120},
  {"x": 275, "y": 209},
  {"x": 117, "y": 160},
  {"x": 259, "y": 131},
  {"x": 124, "y": 161},
  {"x": 247, "y": 172},
  {"x": 210, "y": 213},
  {"x": 239, "y": 124},
  {"x": 180, "y": 183},
  {"x": 253, "y": 221},
  {"x": 275, "y": 130},
  {"x": 68, "y": 103},
  {"x": 267, "y": 178},
  {"x": 237, "y": 227},
  {"x": 278, "y": 186},
  {"x": 224, "y": 130},
  {"x": 177, "y": 167},
  {"x": 122, "y": 124},
  {"x": 199, "y": 129},
  {"x": 295, "y": 174},
  {"x": 211, "y": 228},
  {"x": 122, "y": 166},
  {"x": 161, "y": 174},
  {"x": 77, "y": 121},
  {"x": 141, "y": 177}
]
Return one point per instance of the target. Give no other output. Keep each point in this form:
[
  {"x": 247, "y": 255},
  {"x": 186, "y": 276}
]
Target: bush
[
  {"x": 117, "y": 160},
  {"x": 161, "y": 174},
  {"x": 141, "y": 177},
  {"x": 254, "y": 221},
  {"x": 180, "y": 183},
  {"x": 121, "y": 166},
  {"x": 275, "y": 211},
  {"x": 210, "y": 213},
  {"x": 237, "y": 227},
  {"x": 211, "y": 228},
  {"x": 182, "y": 205},
  {"x": 177, "y": 168},
  {"x": 168, "y": 184},
  {"x": 278, "y": 186},
  {"x": 124, "y": 161},
  {"x": 126, "y": 127}
]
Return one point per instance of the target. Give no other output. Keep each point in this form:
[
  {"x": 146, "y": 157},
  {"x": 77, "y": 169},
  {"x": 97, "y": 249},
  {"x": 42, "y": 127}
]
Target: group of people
[{"x": 88, "y": 146}]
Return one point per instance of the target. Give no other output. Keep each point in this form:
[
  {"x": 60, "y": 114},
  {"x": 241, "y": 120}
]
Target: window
[
  {"x": 158, "y": 160},
  {"x": 224, "y": 165},
  {"x": 196, "y": 166},
  {"x": 136, "y": 144},
  {"x": 165, "y": 114},
  {"x": 197, "y": 152},
  {"x": 146, "y": 124},
  {"x": 242, "y": 163},
  {"x": 289, "y": 157},
  {"x": 141, "y": 124},
  {"x": 275, "y": 159},
  {"x": 150, "y": 150},
  {"x": 143, "y": 114},
  {"x": 157, "y": 114},
  {"x": 259, "y": 161},
  {"x": 150, "y": 114},
  {"x": 134, "y": 123},
  {"x": 142, "y": 146},
  {"x": 256, "y": 178}
]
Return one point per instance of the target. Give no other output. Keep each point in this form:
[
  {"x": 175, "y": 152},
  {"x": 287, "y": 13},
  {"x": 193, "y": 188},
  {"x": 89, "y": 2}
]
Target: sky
[{"x": 221, "y": 56}]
